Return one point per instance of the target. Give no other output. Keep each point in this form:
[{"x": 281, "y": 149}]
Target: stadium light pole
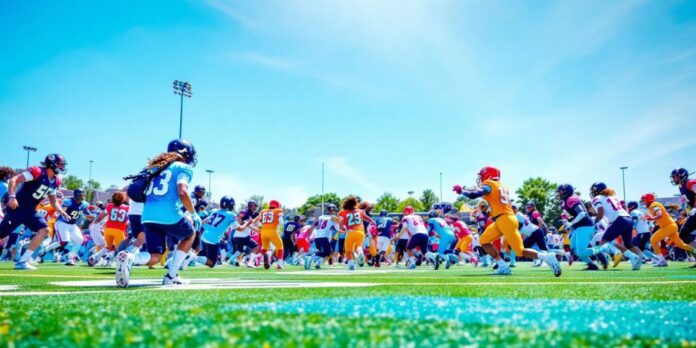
[
  {"x": 440, "y": 186},
  {"x": 410, "y": 194},
  {"x": 183, "y": 89},
  {"x": 322, "y": 188},
  {"x": 623, "y": 180},
  {"x": 210, "y": 185},
  {"x": 29, "y": 150}
]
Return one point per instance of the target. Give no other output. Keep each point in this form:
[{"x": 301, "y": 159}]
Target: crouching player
[
  {"x": 444, "y": 233},
  {"x": 504, "y": 221},
  {"x": 219, "y": 221},
  {"x": 465, "y": 239}
]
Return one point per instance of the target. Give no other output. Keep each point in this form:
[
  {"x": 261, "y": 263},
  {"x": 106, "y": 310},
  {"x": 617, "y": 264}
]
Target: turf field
[{"x": 80, "y": 306}]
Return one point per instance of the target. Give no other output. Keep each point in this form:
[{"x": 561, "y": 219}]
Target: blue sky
[{"x": 386, "y": 93}]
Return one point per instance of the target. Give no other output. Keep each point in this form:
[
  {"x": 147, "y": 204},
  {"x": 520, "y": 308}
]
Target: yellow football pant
[
  {"x": 354, "y": 241},
  {"x": 113, "y": 238},
  {"x": 464, "y": 244},
  {"x": 506, "y": 226},
  {"x": 269, "y": 237},
  {"x": 671, "y": 232}
]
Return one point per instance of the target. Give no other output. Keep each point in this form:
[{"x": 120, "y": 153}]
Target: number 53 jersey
[{"x": 162, "y": 203}]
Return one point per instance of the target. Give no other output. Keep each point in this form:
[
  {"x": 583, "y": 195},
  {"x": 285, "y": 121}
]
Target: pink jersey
[
  {"x": 460, "y": 229},
  {"x": 304, "y": 233}
]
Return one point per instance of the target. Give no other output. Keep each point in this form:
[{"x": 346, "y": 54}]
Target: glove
[
  {"x": 458, "y": 189},
  {"x": 196, "y": 222}
]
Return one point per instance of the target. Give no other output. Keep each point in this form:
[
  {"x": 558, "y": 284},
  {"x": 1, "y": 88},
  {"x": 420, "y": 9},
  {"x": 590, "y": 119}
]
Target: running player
[
  {"x": 37, "y": 182},
  {"x": 324, "y": 228},
  {"x": 242, "y": 243},
  {"x": 505, "y": 222},
  {"x": 620, "y": 224},
  {"x": 289, "y": 230},
  {"x": 642, "y": 227},
  {"x": 581, "y": 226},
  {"x": 687, "y": 188},
  {"x": 352, "y": 221},
  {"x": 67, "y": 229},
  {"x": 668, "y": 228},
  {"x": 214, "y": 229},
  {"x": 384, "y": 234},
  {"x": 270, "y": 223},
  {"x": 162, "y": 217},
  {"x": 116, "y": 215}
]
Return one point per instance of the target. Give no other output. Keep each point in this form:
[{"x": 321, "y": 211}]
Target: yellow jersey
[
  {"x": 665, "y": 219},
  {"x": 498, "y": 199}
]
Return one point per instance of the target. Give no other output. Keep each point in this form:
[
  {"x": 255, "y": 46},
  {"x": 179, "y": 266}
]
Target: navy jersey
[
  {"x": 290, "y": 228},
  {"x": 687, "y": 191},
  {"x": 36, "y": 186},
  {"x": 384, "y": 226},
  {"x": 75, "y": 210},
  {"x": 574, "y": 206}
]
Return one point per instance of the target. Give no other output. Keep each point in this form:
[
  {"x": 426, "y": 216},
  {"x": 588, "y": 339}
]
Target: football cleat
[
  {"x": 591, "y": 267},
  {"x": 437, "y": 262},
  {"x": 361, "y": 260},
  {"x": 176, "y": 280},
  {"x": 636, "y": 262},
  {"x": 266, "y": 263},
  {"x": 91, "y": 261},
  {"x": 555, "y": 266},
  {"x": 503, "y": 271},
  {"x": 24, "y": 266},
  {"x": 71, "y": 262},
  {"x": 307, "y": 263},
  {"x": 279, "y": 266},
  {"x": 660, "y": 264},
  {"x": 617, "y": 259},
  {"x": 124, "y": 262}
]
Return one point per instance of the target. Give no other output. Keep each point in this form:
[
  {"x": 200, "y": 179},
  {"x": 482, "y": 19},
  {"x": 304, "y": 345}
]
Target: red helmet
[
  {"x": 488, "y": 173},
  {"x": 408, "y": 210},
  {"x": 647, "y": 198},
  {"x": 273, "y": 204}
]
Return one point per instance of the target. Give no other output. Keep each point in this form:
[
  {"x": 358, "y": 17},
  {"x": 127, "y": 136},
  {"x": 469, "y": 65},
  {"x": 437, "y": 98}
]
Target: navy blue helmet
[
  {"x": 199, "y": 189},
  {"x": 227, "y": 203},
  {"x": 383, "y": 213},
  {"x": 185, "y": 149},
  {"x": 679, "y": 176},
  {"x": 79, "y": 194},
  {"x": 432, "y": 214},
  {"x": 632, "y": 205},
  {"x": 597, "y": 188},
  {"x": 56, "y": 162},
  {"x": 296, "y": 218},
  {"x": 444, "y": 206},
  {"x": 564, "y": 191}
]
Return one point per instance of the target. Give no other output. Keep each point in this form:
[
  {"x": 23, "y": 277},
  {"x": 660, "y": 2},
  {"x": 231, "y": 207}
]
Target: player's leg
[
  {"x": 265, "y": 246},
  {"x": 278, "y": 244},
  {"x": 689, "y": 227},
  {"x": 183, "y": 231},
  {"x": 76, "y": 239},
  {"x": 34, "y": 222},
  {"x": 582, "y": 237}
]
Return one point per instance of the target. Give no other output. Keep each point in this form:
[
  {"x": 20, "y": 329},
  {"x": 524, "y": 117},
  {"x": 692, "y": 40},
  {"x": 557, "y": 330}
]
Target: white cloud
[
  {"x": 341, "y": 167},
  {"x": 289, "y": 194}
]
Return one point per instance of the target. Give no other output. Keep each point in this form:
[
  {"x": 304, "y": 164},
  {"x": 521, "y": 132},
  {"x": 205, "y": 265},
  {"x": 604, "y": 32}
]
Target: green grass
[{"x": 145, "y": 316}]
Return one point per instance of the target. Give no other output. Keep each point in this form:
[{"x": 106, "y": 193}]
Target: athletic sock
[
  {"x": 141, "y": 258},
  {"x": 202, "y": 260},
  {"x": 27, "y": 254},
  {"x": 177, "y": 260}
]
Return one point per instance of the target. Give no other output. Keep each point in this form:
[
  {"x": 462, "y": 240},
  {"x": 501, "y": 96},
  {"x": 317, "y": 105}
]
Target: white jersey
[
  {"x": 612, "y": 207},
  {"x": 326, "y": 225},
  {"x": 414, "y": 224},
  {"x": 475, "y": 240},
  {"x": 135, "y": 207},
  {"x": 639, "y": 223},
  {"x": 526, "y": 226}
]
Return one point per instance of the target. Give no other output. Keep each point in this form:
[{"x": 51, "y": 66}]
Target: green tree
[
  {"x": 93, "y": 185},
  {"x": 388, "y": 202},
  {"x": 256, "y": 198},
  {"x": 71, "y": 182},
  {"x": 314, "y": 202},
  {"x": 543, "y": 193},
  {"x": 428, "y": 198},
  {"x": 416, "y": 204}
]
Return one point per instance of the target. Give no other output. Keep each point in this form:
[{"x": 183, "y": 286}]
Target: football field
[{"x": 227, "y": 306}]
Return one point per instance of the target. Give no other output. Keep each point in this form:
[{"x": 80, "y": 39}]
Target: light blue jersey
[
  {"x": 162, "y": 203},
  {"x": 217, "y": 224},
  {"x": 441, "y": 227}
]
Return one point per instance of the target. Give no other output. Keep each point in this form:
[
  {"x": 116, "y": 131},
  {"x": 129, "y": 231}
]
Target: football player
[
  {"x": 270, "y": 223},
  {"x": 324, "y": 229},
  {"x": 642, "y": 227},
  {"x": 580, "y": 225},
  {"x": 36, "y": 182},
  {"x": 242, "y": 242},
  {"x": 504, "y": 221},
  {"x": 352, "y": 221},
  {"x": 465, "y": 239},
  {"x": 439, "y": 227},
  {"x": 413, "y": 224},
  {"x": 668, "y": 228},
  {"x": 687, "y": 188},
  {"x": 384, "y": 234},
  {"x": 214, "y": 229},
  {"x": 289, "y": 230},
  {"x": 116, "y": 214},
  {"x": 620, "y": 224},
  {"x": 161, "y": 216}
]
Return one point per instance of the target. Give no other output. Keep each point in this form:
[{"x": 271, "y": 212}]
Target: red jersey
[
  {"x": 116, "y": 217},
  {"x": 460, "y": 229}
]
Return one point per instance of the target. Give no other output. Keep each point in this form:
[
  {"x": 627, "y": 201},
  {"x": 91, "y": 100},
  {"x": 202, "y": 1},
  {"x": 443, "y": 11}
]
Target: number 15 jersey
[{"x": 162, "y": 203}]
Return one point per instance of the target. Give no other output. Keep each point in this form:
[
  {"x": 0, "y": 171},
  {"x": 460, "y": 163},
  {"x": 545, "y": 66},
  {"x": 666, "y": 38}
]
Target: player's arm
[
  {"x": 367, "y": 218},
  {"x": 472, "y": 193},
  {"x": 540, "y": 221},
  {"x": 98, "y": 219},
  {"x": 599, "y": 209},
  {"x": 54, "y": 204},
  {"x": 657, "y": 213},
  {"x": 12, "y": 187}
]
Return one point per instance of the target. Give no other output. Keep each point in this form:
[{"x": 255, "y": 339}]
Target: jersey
[
  {"x": 325, "y": 226},
  {"x": 612, "y": 207},
  {"x": 687, "y": 191},
  {"x": 414, "y": 224},
  {"x": 353, "y": 219},
  {"x": 526, "y": 226},
  {"x": 162, "y": 203},
  {"x": 290, "y": 228},
  {"x": 117, "y": 217},
  {"x": 35, "y": 187},
  {"x": 498, "y": 198},
  {"x": 574, "y": 206},
  {"x": 135, "y": 207},
  {"x": 665, "y": 219},
  {"x": 460, "y": 229},
  {"x": 74, "y": 209},
  {"x": 639, "y": 222},
  {"x": 304, "y": 233},
  {"x": 440, "y": 226},
  {"x": 271, "y": 218},
  {"x": 219, "y": 221},
  {"x": 244, "y": 216},
  {"x": 534, "y": 216},
  {"x": 384, "y": 226}
]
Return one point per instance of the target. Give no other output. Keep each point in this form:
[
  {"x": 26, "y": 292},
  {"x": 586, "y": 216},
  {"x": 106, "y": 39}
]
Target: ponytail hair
[{"x": 164, "y": 159}]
